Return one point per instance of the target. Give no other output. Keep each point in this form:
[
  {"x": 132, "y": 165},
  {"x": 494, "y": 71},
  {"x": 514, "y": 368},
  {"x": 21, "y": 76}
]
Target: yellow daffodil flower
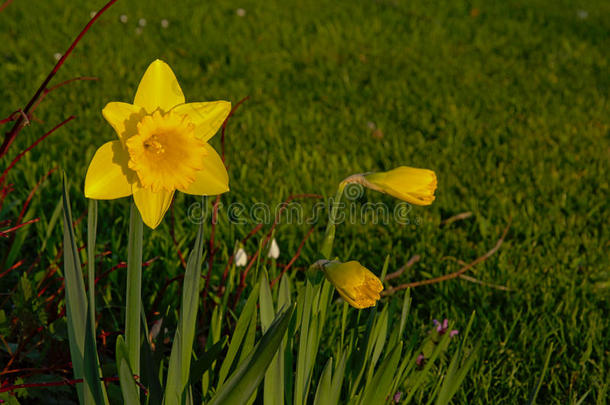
[
  {"x": 162, "y": 147},
  {"x": 355, "y": 283},
  {"x": 415, "y": 186}
]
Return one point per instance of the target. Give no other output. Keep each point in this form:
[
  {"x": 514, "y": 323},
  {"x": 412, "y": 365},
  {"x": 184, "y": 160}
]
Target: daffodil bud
[
  {"x": 274, "y": 250},
  {"x": 415, "y": 186},
  {"x": 355, "y": 283}
]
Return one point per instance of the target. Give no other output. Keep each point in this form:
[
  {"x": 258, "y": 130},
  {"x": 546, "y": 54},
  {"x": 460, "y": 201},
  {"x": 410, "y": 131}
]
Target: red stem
[
  {"x": 10, "y": 136},
  {"x": 212, "y": 249},
  {"x": 66, "y": 382},
  {"x": 5, "y": 5},
  {"x": 13, "y": 267},
  {"x": 294, "y": 258},
  {"x": 50, "y": 89},
  {"x": 242, "y": 283},
  {"x": 31, "y": 195},
  {"x": 232, "y": 258},
  {"x": 29, "y": 148},
  {"x": 7, "y": 231}
]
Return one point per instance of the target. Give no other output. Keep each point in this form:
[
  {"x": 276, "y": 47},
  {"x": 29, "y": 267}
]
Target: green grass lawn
[{"x": 506, "y": 101}]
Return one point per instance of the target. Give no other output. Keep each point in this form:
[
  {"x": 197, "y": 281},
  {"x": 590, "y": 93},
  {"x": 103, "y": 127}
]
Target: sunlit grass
[{"x": 508, "y": 103}]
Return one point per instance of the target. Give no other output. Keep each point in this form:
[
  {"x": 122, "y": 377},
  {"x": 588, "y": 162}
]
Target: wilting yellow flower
[
  {"x": 355, "y": 283},
  {"x": 415, "y": 186},
  {"x": 162, "y": 147}
]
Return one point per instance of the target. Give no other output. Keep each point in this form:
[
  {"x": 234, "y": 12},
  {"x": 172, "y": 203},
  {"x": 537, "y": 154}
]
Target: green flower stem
[
  {"x": 329, "y": 235},
  {"x": 134, "y": 288}
]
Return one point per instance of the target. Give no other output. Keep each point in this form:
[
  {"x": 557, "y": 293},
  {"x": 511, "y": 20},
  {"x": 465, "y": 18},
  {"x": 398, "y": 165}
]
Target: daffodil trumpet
[
  {"x": 162, "y": 147},
  {"x": 356, "y": 284}
]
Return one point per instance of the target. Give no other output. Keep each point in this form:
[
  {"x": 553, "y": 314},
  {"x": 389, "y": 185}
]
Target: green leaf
[
  {"x": 454, "y": 376},
  {"x": 273, "y": 386},
  {"x": 128, "y": 384},
  {"x": 301, "y": 379},
  {"x": 534, "y": 393},
  {"x": 323, "y": 392},
  {"x": 150, "y": 368},
  {"x": 246, "y": 378},
  {"x": 379, "y": 387},
  {"x": 416, "y": 379},
  {"x": 266, "y": 302},
  {"x": 182, "y": 349},
  {"x": 203, "y": 363},
  {"x": 90, "y": 345},
  {"x": 379, "y": 334},
  {"x": 337, "y": 382},
  {"x": 81, "y": 332},
  {"x": 238, "y": 335},
  {"x": 284, "y": 294},
  {"x": 91, "y": 230}
]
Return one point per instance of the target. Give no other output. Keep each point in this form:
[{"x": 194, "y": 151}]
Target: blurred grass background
[{"x": 506, "y": 101}]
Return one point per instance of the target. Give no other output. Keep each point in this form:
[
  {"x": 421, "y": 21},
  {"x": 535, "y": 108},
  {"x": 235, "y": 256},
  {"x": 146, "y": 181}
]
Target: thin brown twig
[
  {"x": 50, "y": 89},
  {"x": 14, "y": 116},
  {"x": 244, "y": 274},
  {"x": 13, "y": 267},
  {"x": 6, "y": 232},
  {"x": 5, "y": 5},
  {"x": 450, "y": 276},
  {"x": 398, "y": 272},
  {"x": 212, "y": 249},
  {"x": 486, "y": 284},
  {"x": 458, "y": 217},
  {"x": 67, "y": 382},
  {"x": 225, "y": 273},
  {"x": 31, "y": 195},
  {"x": 29, "y": 148},
  {"x": 19, "y": 124},
  {"x": 294, "y": 258}
]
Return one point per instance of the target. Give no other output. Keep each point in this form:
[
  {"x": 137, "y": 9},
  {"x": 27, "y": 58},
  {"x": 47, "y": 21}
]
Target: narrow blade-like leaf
[{"x": 245, "y": 379}]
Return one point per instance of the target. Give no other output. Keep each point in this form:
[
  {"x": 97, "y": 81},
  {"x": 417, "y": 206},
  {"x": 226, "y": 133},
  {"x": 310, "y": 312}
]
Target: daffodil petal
[
  {"x": 158, "y": 88},
  {"x": 124, "y": 118},
  {"x": 207, "y": 116},
  {"x": 348, "y": 299},
  {"x": 212, "y": 179},
  {"x": 108, "y": 176},
  {"x": 152, "y": 205}
]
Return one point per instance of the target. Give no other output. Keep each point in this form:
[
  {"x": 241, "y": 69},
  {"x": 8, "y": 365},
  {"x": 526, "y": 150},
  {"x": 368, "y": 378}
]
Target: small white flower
[
  {"x": 582, "y": 14},
  {"x": 92, "y": 14},
  {"x": 138, "y": 31},
  {"x": 371, "y": 125},
  {"x": 123, "y": 18},
  {"x": 164, "y": 23},
  {"x": 274, "y": 250},
  {"x": 57, "y": 56},
  {"x": 142, "y": 22},
  {"x": 241, "y": 258},
  {"x": 240, "y": 12}
]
